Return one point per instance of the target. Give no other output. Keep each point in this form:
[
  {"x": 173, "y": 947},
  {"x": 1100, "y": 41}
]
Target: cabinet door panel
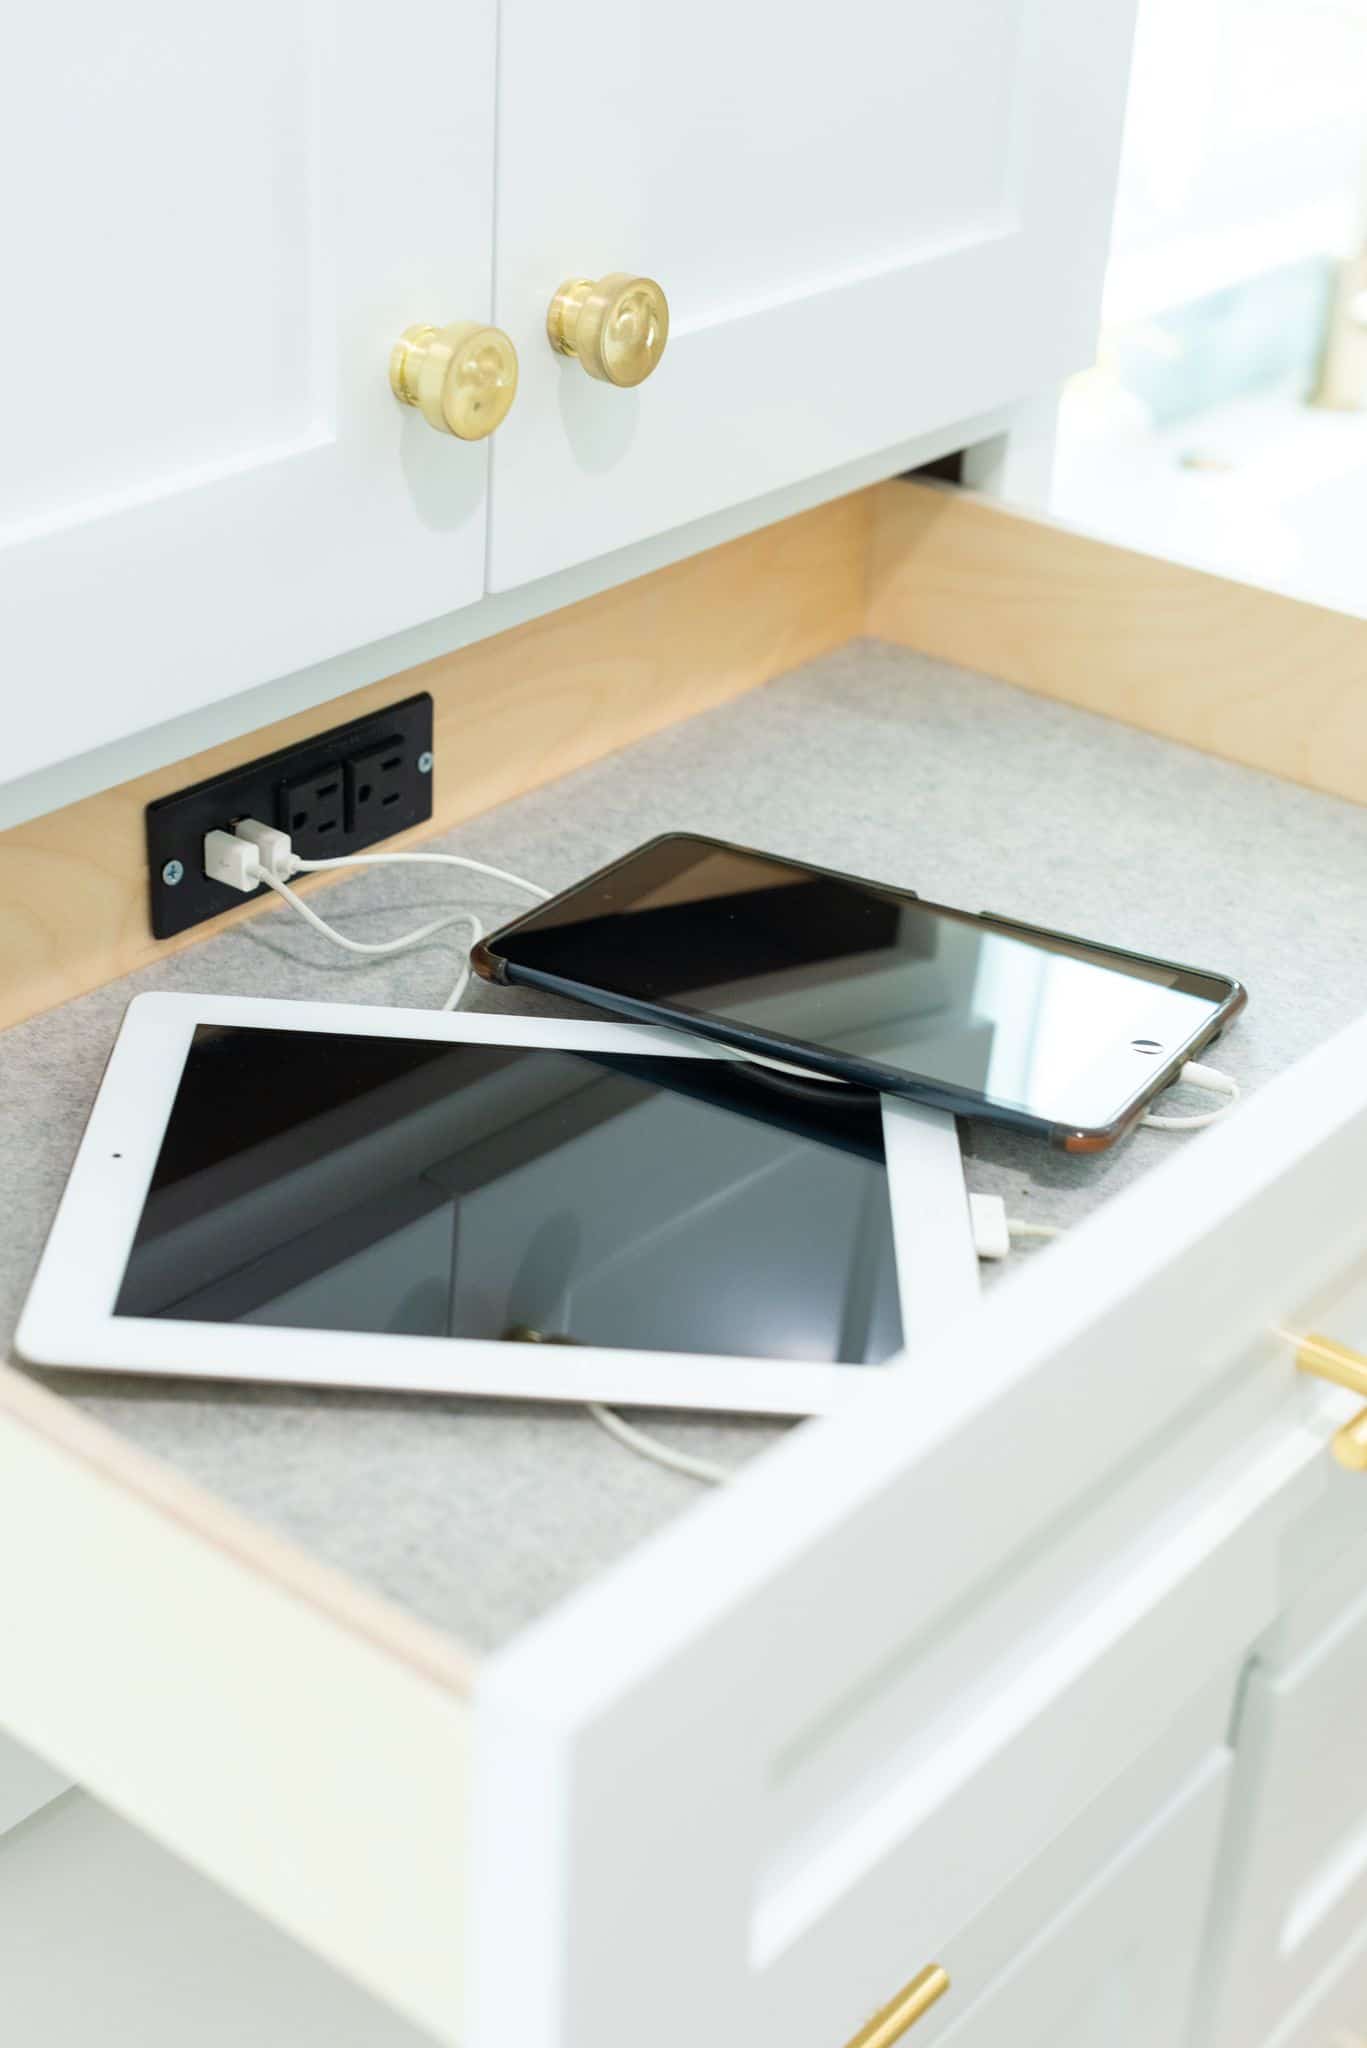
[
  {"x": 1117, "y": 1964},
  {"x": 226, "y": 218},
  {"x": 790, "y": 1790},
  {"x": 867, "y": 227},
  {"x": 1294, "y": 1884}
]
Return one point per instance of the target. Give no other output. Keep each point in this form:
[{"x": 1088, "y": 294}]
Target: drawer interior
[
  {"x": 478, "y": 1518},
  {"x": 1244, "y": 673}
]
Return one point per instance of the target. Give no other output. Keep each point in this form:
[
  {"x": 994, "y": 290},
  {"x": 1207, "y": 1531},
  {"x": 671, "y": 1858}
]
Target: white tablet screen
[{"x": 325, "y": 1181}]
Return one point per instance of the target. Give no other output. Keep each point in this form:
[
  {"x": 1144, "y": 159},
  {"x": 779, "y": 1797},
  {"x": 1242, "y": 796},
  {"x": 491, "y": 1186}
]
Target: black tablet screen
[{"x": 334, "y": 1181}]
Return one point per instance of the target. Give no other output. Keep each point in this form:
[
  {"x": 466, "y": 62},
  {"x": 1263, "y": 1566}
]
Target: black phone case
[{"x": 492, "y": 966}]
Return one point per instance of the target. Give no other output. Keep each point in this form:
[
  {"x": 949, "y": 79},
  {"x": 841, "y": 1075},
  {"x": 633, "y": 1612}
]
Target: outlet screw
[
  {"x": 172, "y": 873},
  {"x": 424, "y": 764}
]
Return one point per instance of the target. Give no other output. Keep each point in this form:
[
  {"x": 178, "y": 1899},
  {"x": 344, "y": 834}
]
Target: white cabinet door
[
  {"x": 813, "y": 1786},
  {"x": 869, "y": 222},
  {"x": 217, "y": 222},
  {"x": 1293, "y": 1886},
  {"x": 1115, "y": 1967}
]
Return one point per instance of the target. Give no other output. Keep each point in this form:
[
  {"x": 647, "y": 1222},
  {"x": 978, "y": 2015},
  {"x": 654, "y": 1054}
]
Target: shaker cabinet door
[
  {"x": 219, "y": 221},
  {"x": 1293, "y": 1894},
  {"x": 868, "y": 223}
]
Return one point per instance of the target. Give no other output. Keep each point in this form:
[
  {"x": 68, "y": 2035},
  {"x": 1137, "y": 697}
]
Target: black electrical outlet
[
  {"x": 337, "y": 793},
  {"x": 311, "y": 809},
  {"x": 376, "y": 779}
]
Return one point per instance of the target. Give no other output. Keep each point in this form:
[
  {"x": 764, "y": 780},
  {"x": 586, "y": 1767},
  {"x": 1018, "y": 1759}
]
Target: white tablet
[{"x": 354, "y": 1197}]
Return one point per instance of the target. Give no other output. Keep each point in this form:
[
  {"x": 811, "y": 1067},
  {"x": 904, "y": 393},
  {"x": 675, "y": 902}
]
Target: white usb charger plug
[
  {"x": 249, "y": 855},
  {"x": 994, "y": 1232},
  {"x": 233, "y": 862},
  {"x": 252, "y": 855}
]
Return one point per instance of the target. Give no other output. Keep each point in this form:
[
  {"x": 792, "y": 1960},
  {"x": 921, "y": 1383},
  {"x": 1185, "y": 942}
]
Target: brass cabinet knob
[
  {"x": 1326, "y": 1360},
  {"x": 617, "y": 327},
  {"x": 461, "y": 378},
  {"x": 912, "y": 2003}
]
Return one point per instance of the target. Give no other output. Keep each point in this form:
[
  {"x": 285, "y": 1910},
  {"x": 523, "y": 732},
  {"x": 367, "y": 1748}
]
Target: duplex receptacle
[
  {"x": 337, "y": 793},
  {"x": 376, "y": 781},
  {"x": 312, "y": 809}
]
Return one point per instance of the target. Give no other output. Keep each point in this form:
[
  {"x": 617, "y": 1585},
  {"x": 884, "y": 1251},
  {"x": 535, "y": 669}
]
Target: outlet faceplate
[{"x": 336, "y": 793}]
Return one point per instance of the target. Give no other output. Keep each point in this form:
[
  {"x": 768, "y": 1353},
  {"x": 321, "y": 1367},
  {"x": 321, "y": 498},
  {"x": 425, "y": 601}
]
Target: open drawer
[
  {"x": 746, "y": 1783},
  {"x": 796, "y": 1739}
]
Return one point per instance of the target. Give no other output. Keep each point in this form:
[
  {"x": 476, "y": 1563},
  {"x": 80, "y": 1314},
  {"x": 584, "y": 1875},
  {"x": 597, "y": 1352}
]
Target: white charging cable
[
  {"x": 1194, "y": 1075},
  {"x": 659, "y": 1453},
  {"x": 994, "y": 1232},
  {"x": 403, "y": 945},
  {"x": 451, "y": 860},
  {"x": 253, "y": 854}
]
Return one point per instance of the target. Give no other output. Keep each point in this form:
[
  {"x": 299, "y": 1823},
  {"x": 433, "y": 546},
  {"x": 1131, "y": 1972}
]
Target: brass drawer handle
[
  {"x": 461, "y": 378},
  {"x": 616, "y": 327},
  {"x": 898, "y": 2018},
  {"x": 1326, "y": 1360}
]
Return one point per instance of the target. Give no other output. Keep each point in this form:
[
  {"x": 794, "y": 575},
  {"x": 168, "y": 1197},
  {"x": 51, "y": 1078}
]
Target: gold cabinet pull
[
  {"x": 615, "y": 326},
  {"x": 1350, "y": 1443},
  {"x": 912, "y": 2003},
  {"x": 461, "y": 378},
  {"x": 1326, "y": 1360}
]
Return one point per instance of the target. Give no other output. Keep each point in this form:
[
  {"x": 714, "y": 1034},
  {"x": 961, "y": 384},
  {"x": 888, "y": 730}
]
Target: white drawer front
[
  {"x": 1294, "y": 1885},
  {"x": 818, "y": 1722}
]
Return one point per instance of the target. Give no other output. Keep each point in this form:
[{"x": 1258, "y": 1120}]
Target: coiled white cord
[
  {"x": 1194, "y": 1075},
  {"x": 467, "y": 917},
  {"x": 403, "y": 945},
  {"x": 253, "y": 853}
]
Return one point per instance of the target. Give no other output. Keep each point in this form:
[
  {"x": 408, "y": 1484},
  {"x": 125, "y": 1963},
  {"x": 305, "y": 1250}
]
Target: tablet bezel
[{"x": 69, "y": 1321}]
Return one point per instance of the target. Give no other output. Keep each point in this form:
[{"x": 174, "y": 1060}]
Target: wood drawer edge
[{"x": 1250, "y": 675}]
